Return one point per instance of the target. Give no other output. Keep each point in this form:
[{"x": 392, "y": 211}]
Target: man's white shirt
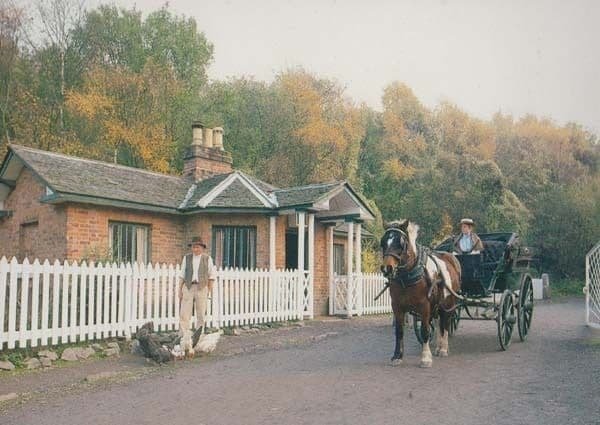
[{"x": 212, "y": 270}]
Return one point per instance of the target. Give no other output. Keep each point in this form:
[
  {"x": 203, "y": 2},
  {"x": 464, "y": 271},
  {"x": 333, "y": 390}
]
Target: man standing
[
  {"x": 468, "y": 242},
  {"x": 196, "y": 277}
]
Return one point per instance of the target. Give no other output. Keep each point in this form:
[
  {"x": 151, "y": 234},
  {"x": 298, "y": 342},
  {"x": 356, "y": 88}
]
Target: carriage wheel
[
  {"x": 417, "y": 329},
  {"x": 454, "y": 321},
  {"x": 506, "y": 319},
  {"x": 525, "y": 308}
]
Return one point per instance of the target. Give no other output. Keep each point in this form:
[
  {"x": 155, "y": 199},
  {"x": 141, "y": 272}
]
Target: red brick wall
[
  {"x": 87, "y": 231},
  {"x": 20, "y": 236},
  {"x": 321, "y": 278}
]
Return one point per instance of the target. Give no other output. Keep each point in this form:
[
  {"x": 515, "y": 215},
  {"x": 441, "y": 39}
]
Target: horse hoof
[
  {"x": 443, "y": 353},
  {"x": 396, "y": 362},
  {"x": 425, "y": 365}
]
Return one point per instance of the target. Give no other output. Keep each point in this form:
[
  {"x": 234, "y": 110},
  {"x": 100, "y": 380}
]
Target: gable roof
[
  {"x": 76, "y": 179},
  {"x": 235, "y": 190}
]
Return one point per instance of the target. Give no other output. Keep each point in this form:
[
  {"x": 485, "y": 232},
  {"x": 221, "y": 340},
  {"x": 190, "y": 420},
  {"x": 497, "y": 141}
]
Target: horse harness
[{"x": 407, "y": 278}]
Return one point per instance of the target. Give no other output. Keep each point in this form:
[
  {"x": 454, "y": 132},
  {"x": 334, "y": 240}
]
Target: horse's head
[{"x": 398, "y": 246}]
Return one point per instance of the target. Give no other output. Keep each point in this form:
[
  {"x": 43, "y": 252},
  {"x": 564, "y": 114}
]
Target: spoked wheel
[
  {"x": 525, "y": 308},
  {"x": 506, "y": 319},
  {"x": 454, "y": 320},
  {"x": 417, "y": 328}
]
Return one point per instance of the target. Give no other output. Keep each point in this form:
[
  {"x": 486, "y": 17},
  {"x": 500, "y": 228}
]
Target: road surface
[{"x": 341, "y": 376}]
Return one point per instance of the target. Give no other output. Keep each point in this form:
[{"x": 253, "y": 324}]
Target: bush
[{"x": 567, "y": 287}]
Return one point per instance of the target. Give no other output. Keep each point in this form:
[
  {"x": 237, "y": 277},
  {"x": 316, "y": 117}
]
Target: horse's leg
[
  {"x": 426, "y": 359},
  {"x": 399, "y": 334},
  {"x": 442, "y": 348},
  {"x": 439, "y": 336}
]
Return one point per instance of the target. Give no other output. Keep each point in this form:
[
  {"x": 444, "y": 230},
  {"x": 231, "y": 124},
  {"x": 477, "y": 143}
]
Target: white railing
[
  {"x": 47, "y": 304},
  {"x": 592, "y": 287},
  {"x": 364, "y": 287}
]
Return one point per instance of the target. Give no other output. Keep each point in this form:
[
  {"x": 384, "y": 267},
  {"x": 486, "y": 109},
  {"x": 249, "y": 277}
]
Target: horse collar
[{"x": 408, "y": 278}]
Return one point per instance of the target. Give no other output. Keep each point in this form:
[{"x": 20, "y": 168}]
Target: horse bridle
[{"x": 399, "y": 267}]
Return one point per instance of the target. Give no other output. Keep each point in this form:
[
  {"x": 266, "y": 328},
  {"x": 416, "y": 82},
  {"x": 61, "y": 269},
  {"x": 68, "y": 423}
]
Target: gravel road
[{"x": 337, "y": 372}]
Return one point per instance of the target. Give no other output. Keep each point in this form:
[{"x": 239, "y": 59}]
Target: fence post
[
  {"x": 218, "y": 291},
  {"x": 300, "y": 294},
  {"x": 128, "y": 301}
]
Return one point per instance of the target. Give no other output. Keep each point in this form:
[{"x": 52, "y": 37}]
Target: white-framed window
[
  {"x": 339, "y": 259},
  {"x": 234, "y": 246},
  {"x": 129, "y": 242}
]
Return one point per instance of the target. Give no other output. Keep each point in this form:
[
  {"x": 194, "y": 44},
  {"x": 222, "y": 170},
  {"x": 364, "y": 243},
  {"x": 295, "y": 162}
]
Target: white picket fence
[
  {"x": 47, "y": 304},
  {"x": 364, "y": 287}
]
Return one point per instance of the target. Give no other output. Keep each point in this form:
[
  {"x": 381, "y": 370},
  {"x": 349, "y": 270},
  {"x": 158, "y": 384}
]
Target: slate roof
[
  {"x": 236, "y": 195},
  {"x": 83, "y": 180},
  {"x": 202, "y": 188},
  {"x": 303, "y": 195},
  {"x": 71, "y": 175}
]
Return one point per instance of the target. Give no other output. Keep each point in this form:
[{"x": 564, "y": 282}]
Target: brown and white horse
[{"x": 420, "y": 282}]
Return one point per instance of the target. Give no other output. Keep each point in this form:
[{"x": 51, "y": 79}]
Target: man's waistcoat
[{"x": 202, "y": 270}]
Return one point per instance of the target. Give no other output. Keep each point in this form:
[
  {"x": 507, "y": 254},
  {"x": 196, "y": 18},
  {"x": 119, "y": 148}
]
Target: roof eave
[
  {"x": 226, "y": 210},
  {"x": 63, "y": 197}
]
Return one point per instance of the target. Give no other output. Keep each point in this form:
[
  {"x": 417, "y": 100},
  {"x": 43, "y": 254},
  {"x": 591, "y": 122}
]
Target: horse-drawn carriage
[{"x": 504, "y": 270}]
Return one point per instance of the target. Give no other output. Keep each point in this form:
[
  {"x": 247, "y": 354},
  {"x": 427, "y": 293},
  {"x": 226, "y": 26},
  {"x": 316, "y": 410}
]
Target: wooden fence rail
[{"x": 50, "y": 303}]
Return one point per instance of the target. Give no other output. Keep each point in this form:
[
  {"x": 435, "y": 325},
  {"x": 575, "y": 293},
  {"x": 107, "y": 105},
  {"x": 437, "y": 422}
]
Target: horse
[{"x": 421, "y": 282}]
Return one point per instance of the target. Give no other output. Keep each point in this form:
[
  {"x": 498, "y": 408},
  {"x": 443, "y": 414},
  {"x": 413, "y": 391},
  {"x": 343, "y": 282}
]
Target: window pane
[
  {"x": 129, "y": 242},
  {"x": 339, "y": 259},
  {"x": 234, "y": 246}
]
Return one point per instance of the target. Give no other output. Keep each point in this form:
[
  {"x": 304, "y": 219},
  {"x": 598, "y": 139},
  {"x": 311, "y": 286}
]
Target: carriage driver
[{"x": 468, "y": 242}]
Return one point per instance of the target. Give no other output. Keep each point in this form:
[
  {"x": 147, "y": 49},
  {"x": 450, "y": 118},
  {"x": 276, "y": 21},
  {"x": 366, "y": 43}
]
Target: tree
[
  {"x": 11, "y": 27},
  {"x": 58, "y": 18},
  {"x": 123, "y": 116}
]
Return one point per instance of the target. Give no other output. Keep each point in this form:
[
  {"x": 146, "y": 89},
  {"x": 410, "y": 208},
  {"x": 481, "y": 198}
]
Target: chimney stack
[{"x": 206, "y": 156}]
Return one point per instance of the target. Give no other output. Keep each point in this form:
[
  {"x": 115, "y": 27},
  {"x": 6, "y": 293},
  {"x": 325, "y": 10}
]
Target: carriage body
[
  {"x": 504, "y": 268},
  {"x": 499, "y": 267}
]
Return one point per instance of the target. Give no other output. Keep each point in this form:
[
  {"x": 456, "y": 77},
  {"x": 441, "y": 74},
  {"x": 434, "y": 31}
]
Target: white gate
[
  {"x": 592, "y": 287},
  {"x": 364, "y": 287},
  {"x": 340, "y": 295}
]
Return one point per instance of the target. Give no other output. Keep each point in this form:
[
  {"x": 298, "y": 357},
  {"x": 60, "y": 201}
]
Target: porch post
[
  {"x": 350, "y": 256},
  {"x": 272, "y": 239},
  {"x": 300, "y": 296},
  {"x": 357, "y": 261},
  {"x": 331, "y": 271},
  {"x": 311, "y": 264},
  {"x": 301, "y": 221}
]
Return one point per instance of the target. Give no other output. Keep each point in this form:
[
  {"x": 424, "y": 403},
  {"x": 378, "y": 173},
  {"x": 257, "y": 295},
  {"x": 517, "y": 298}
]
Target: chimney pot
[
  {"x": 208, "y": 138},
  {"x": 197, "y": 133},
  {"x": 218, "y": 137}
]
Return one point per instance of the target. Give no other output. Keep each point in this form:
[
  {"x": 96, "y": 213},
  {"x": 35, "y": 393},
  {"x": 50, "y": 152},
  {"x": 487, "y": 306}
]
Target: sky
[{"x": 518, "y": 57}]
